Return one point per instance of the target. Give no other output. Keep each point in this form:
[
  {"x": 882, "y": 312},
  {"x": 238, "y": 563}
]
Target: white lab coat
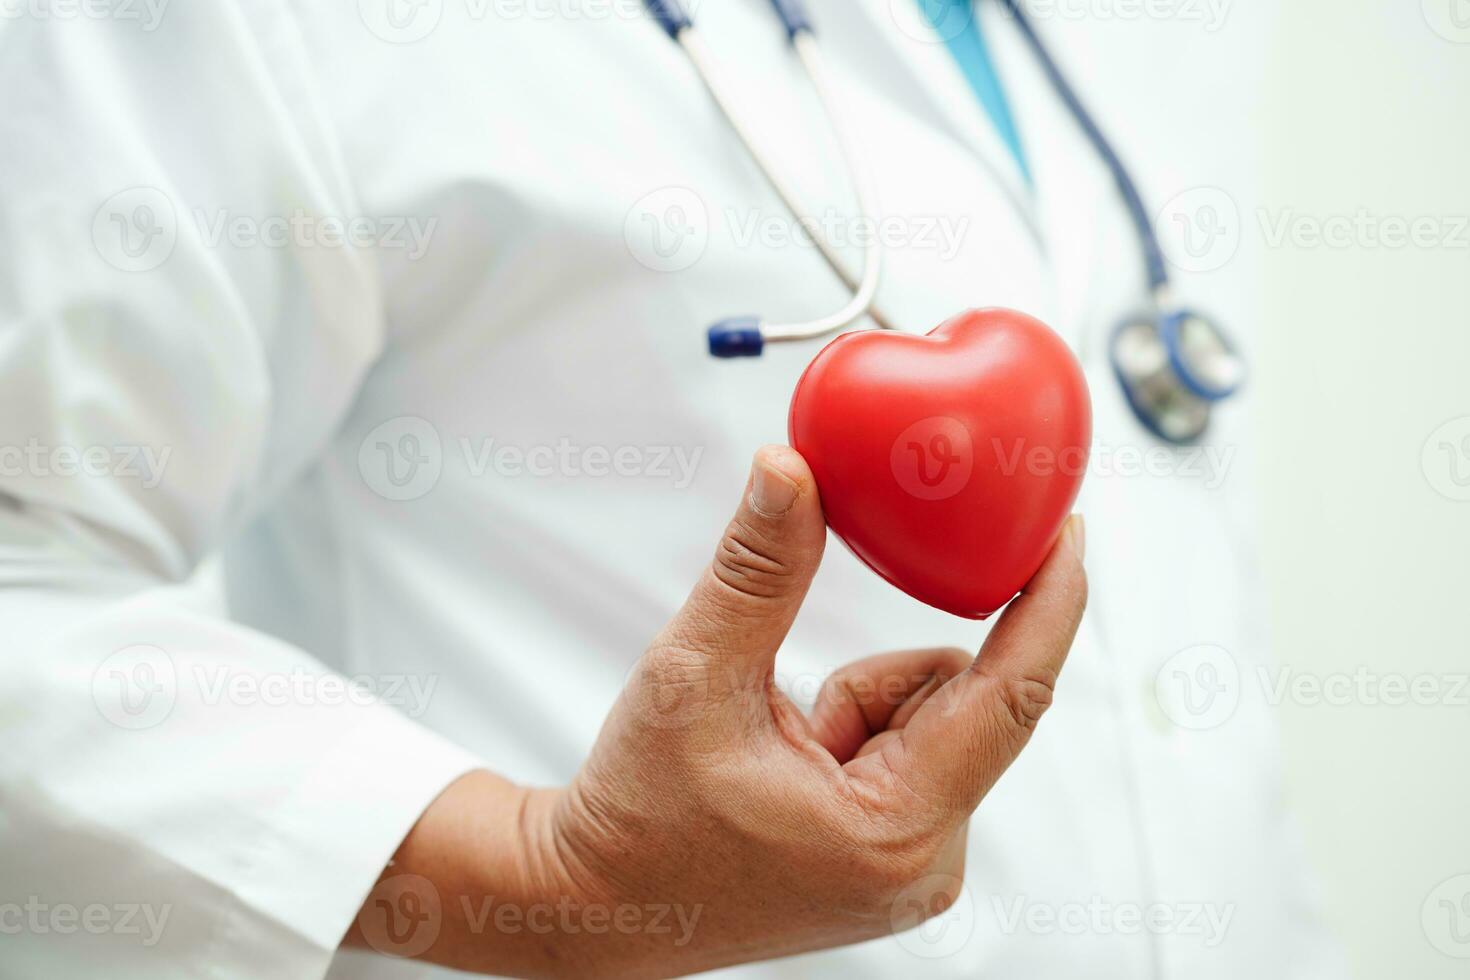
[{"x": 150, "y": 758}]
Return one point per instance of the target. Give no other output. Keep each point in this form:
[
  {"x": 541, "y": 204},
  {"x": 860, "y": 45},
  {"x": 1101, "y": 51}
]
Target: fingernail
[
  {"x": 1077, "y": 534},
  {"x": 772, "y": 493}
]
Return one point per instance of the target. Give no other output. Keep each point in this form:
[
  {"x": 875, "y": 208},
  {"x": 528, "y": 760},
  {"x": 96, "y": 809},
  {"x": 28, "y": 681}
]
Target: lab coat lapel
[
  {"x": 1091, "y": 255},
  {"x": 947, "y": 97}
]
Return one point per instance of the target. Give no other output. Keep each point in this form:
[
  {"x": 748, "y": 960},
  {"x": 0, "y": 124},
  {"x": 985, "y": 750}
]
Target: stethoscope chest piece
[{"x": 1173, "y": 368}]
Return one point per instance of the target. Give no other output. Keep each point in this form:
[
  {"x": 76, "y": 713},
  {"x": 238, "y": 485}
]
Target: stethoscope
[{"x": 1173, "y": 363}]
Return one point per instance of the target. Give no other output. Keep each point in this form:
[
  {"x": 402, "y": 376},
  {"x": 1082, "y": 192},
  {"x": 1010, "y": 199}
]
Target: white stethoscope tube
[
  {"x": 865, "y": 290},
  {"x": 1173, "y": 363}
]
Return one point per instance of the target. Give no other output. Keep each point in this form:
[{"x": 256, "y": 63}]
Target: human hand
[{"x": 757, "y": 831}]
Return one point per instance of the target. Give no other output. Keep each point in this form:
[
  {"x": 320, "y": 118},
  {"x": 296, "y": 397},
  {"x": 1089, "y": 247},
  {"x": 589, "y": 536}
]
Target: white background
[{"x": 1363, "y": 353}]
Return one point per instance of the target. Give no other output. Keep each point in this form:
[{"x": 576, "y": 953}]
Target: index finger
[{"x": 965, "y": 737}]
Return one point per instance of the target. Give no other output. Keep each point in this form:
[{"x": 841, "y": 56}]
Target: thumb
[{"x": 748, "y": 596}]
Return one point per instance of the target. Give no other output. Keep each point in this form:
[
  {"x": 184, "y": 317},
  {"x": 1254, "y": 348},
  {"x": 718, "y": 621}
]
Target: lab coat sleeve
[{"x": 179, "y": 796}]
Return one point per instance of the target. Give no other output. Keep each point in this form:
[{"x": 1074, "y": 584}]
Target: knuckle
[
  {"x": 750, "y": 563},
  {"x": 1024, "y": 699}
]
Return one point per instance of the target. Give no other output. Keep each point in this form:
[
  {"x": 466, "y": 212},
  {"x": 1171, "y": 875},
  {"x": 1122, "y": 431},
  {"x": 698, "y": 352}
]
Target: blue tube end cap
[{"x": 739, "y": 336}]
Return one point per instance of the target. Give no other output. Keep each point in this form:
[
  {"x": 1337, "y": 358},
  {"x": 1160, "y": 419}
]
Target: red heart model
[{"x": 948, "y": 463}]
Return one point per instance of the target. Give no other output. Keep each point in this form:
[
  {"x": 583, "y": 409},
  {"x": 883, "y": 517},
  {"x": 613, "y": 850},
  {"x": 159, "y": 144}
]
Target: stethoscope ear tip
[{"x": 738, "y": 336}]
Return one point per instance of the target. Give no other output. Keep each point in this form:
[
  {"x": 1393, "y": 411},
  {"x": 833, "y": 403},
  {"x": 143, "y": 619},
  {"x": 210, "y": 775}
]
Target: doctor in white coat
[{"x": 388, "y": 317}]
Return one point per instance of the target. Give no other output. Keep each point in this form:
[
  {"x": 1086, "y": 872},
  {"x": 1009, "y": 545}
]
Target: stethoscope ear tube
[
  {"x": 793, "y": 16},
  {"x": 670, "y": 14},
  {"x": 1172, "y": 366}
]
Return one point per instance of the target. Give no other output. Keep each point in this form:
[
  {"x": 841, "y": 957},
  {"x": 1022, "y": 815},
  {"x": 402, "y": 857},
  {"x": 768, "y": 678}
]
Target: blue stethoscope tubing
[{"x": 1173, "y": 364}]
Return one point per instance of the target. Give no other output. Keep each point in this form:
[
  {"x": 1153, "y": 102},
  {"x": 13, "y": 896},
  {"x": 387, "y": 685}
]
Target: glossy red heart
[{"x": 949, "y": 462}]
